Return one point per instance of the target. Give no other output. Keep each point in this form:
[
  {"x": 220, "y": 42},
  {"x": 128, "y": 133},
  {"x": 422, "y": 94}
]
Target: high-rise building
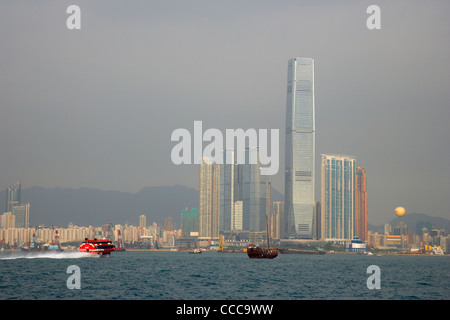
[
  {"x": 209, "y": 200},
  {"x": 300, "y": 148},
  {"x": 13, "y": 196},
  {"x": 168, "y": 224},
  {"x": 255, "y": 192},
  {"x": 361, "y": 204},
  {"x": 142, "y": 221},
  {"x": 317, "y": 221},
  {"x": 229, "y": 191},
  {"x": 244, "y": 186},
  {"x": 7, "y": 220},
  {"x": 189, "y": 223},
  {"x": 22, "y": 214},
  {"x": 338, "y": 197},
  {"x": 236, "y": 221},
  {"x": 277, "y": 221}
]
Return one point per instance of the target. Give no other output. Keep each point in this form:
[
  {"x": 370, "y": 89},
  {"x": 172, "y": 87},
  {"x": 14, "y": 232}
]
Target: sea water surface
[{"x": 153, "y": 275}]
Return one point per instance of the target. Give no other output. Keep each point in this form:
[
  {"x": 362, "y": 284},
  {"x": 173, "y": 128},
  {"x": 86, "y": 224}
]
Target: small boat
[
  {"x": 102, "y": 246},
  {"x": 120, "y": 247},
  {"x": 33, "y": 245},
  {"x": 255, "y": 252},
  {"x": 55, "y": 245},
  {"x": 196, "y": 250}
]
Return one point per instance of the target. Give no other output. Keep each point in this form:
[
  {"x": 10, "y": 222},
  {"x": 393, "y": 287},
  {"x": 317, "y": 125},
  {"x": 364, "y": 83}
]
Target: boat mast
[{"x": 267, "y": 227}]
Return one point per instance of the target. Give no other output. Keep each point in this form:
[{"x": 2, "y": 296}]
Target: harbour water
[{"x": 140, "y": 275}]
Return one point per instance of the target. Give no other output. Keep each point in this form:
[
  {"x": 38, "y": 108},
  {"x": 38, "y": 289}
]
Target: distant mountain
[
  {"x": 87, "y": 206},
  {"x": 412, "y": 220}
]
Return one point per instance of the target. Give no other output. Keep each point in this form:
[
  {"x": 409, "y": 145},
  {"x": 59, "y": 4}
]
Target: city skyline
[{"x": 95, "y": 107}]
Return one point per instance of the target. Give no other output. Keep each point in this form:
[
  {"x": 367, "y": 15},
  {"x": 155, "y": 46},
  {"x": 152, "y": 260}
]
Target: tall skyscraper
[
  {"x": 142, "y": 221},
  {"x": 255, "y": 192},
  {"x": 243, "y": 185},
  {"x": 338, "y": 197},
  {"x": 300, "y": 149},
  {"x": 13, "y": 196},
  {"x": 361, "y": 204},
  {"x": 229, "y": 191},
  {"x": 209, "y": 200}
]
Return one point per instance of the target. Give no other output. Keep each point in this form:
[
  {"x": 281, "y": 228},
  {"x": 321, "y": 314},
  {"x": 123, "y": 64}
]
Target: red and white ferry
[{"x": 102, "y": 246}]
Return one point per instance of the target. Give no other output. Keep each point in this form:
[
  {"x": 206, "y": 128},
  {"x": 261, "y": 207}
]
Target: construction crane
[{"x": 221, "y": 244}]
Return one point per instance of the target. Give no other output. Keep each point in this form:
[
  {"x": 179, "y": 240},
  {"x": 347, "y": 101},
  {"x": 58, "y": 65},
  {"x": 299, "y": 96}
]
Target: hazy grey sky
[{"x": 96, "y": 107}]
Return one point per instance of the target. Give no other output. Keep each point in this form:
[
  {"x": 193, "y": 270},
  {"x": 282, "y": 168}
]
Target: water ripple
[{"x": 172, "y": 275}]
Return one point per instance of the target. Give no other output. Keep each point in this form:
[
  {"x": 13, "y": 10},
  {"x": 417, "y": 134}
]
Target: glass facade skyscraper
[
  {"x": 243, "y": 185},
  {"x": 254, "y": 193},
  {"x": 338, "y": 197},
  {"x": 300, "y": 149}
]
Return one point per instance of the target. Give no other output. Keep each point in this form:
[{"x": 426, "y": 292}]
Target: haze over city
[{"x": 96, "y": 107}]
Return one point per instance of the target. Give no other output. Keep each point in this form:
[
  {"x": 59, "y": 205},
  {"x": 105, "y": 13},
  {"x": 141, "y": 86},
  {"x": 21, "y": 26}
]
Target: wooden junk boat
[{"x": 256, "y": 252}]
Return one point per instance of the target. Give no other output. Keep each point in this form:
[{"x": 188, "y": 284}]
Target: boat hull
[{"x": 255, "y": 252}]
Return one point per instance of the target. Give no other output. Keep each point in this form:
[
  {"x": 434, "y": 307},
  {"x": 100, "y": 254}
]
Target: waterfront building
[
  {"x": 189, "y": 223},
  {"x": 361, "y": 204},
  {"x": 300, "y": 149},
  {"x": 394, "y": 240},
  {"x": 376, "y": 240},
  {"x": 338, "y": 197},
  {"x": 130, "y": 234},
  {"x": 356, "y": 245},
  {"x": 7, "y": 220}
]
